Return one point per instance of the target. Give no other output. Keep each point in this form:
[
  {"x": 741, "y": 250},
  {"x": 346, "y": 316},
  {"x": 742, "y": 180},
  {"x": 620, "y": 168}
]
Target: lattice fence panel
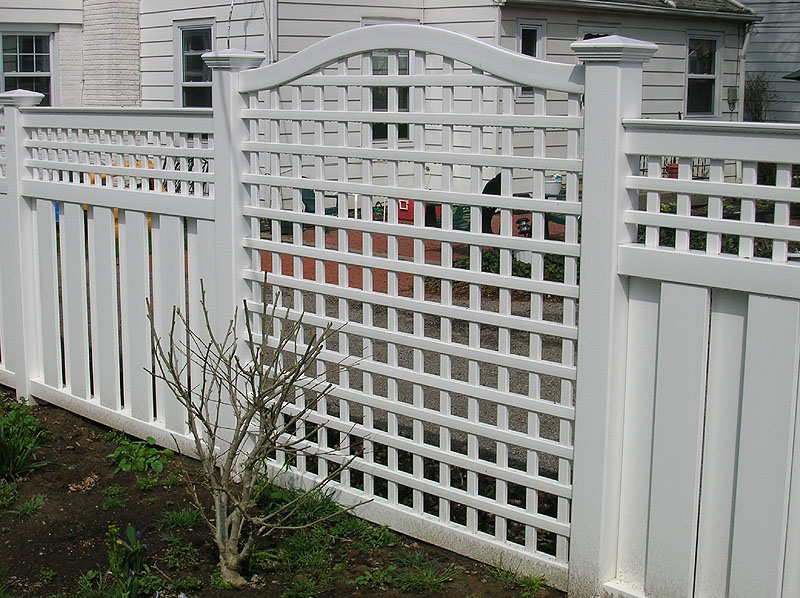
[{"x": 410, "y": 200}]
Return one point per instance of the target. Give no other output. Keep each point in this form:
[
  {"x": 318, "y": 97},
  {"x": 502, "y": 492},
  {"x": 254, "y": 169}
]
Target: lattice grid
[{"x": 460, "y": 344}]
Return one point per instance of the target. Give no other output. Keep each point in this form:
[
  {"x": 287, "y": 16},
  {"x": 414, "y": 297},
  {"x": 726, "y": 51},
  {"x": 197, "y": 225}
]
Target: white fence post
[
  {"x": 613, "y": 92},
  {"x": 231, "y": 227},
  {"x": 17, "y": 246}
]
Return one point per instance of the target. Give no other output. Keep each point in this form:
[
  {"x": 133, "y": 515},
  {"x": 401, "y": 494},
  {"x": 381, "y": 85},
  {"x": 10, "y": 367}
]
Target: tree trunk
[{"x": 230, "y": 570}]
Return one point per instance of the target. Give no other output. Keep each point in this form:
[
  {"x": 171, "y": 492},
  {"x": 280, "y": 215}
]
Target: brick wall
[
  {"x": 111, "y": 53},
  {"x": 69, "y": 71}
]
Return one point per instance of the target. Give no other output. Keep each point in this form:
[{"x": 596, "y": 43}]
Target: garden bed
[{"x": 47, "y": 552}]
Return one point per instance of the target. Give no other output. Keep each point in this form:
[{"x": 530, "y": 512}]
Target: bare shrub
[
  {"x": 759, "y": 96},
  {"x": 244, "y": 399}
]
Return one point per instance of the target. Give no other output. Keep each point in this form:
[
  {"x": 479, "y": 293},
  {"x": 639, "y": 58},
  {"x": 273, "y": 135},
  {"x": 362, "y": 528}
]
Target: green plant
[
  {"x": 238, "y": 400},
  {"x": 126, "y": 558},
  {"x": 308, "y": 548},
  {"x": 425, "y": 578},
  {"x": 304, "y": 587},
  {"x": 20, "y": 438},
  {"x": 260, "y": 558},
  {"x": 181, "y": 556},
  {"x": 186, "y": 584},
  {"x": 364, "y": 536},
  {"x": 382, "y": 578},
  {"x": 146, "y": 483},
  {"x": 185, "y": 518},
  {"x": 218, "y": 584},
  {"x": 113, "y": 502},
  {"x": 30, "y": 507},
  {"x": 8, "y": 493},
  {"x": 530, "y": 586},
  {"x": 137, "y": 455},
  {"x": 47, "y": 575}
]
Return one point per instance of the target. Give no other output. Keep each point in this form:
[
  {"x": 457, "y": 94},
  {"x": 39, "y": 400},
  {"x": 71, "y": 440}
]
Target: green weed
[
  {"x": 185, "y": 518},
  {"x": 30, "y": 507},
  {"x": 308, "y": 548},
  {"x": 20, "y": 438},
  {"x": 186, "y": 584},
  {"x": 137, "y": 455},
  {"x": 218, "y": 584},
  {"x": 8, "y": 493},
  {"x": 113, "y": 502},
  {"x": 47, "y": 575},
  {"x": 260, "y": 558},
  {"x": 382, "y": 578},
  {"x": 181, "y": 556}
]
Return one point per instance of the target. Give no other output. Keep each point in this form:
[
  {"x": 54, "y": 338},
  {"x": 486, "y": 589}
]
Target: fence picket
[{"x": 103, "y": 300}]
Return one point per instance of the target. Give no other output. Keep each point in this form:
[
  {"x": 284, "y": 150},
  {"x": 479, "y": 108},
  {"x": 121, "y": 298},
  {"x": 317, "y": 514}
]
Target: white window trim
[
  {"x": 541, "y": 46},
  {"x": 37, "y": 29},
  {"x": 178, "y": 28},
  {"x": 717, "y": 77}
]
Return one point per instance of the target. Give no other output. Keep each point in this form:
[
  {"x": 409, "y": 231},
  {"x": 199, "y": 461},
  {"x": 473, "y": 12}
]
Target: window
[
  {"x": 26, "y": 64},
  {"x": 701, "y": 78},
  {"x": 531, "y": 43},
  {"x": 193, "y": 77},
  {"x": 380, "y": 95}
]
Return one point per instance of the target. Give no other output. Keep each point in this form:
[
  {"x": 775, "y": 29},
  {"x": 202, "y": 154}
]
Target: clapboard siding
[
  {"x": 774, "y": 49},
  {"x": 664, "y": 76},
  {"x": 67, "y": 12}
]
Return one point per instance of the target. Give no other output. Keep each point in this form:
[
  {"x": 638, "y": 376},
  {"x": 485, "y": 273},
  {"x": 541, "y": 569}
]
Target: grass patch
[
  {"x": 185, "y": 518},
  {"x": 20, "y": 438}
]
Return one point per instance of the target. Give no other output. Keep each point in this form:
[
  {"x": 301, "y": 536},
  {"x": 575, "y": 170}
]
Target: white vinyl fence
[{"x": 349, "y": 179}]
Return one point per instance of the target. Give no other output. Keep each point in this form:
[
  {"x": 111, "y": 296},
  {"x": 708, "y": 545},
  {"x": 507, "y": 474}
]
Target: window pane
[
  {"x": 380, "y": 64},
  {"x": 9, "y": 63},
  {"x": 197, "y": 40},
  {"x": 528, "y": 41},
  {"x": 9, "y": 43},
  {"x": 197, "y": 97},
  {"x": 702, "y": 54},
  {"x": 195, "y": 43},
  {"x": 195, "y": 68},
  {"x": 700, "y": 98},
  {"x": 26, "y": 63},
  {"x": 42, "y": 44},
  {"x": 26, "y": 43},
  {"x": 42, "y": 63}
]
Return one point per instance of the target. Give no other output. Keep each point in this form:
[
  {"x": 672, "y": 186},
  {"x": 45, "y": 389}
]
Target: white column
[
  {"x": 20, "y": 330},
  {"x": 613, "y": 92},
  {"x": 231, "y": 259}
]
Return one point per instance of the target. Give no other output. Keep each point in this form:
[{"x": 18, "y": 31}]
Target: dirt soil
[{"x": 44, "y": 554}]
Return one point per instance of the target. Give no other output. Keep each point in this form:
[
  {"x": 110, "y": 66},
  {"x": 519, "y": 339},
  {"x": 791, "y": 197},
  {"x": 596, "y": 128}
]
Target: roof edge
[{"x": 745, "y": 17}]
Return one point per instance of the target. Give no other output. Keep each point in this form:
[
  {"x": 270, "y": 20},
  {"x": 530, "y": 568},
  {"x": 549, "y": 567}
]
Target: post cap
[
  {"x": 233, "y": 60},
  {"x": 20, "y": 98},
  {"x": 614, "y": 48}
]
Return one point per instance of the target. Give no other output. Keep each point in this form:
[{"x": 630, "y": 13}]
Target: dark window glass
[
  {"x": 196, "y": 97},
  {"x": 700, "y": 97},
  {"x": 528, "y": 41},
  {"x": 702, "y": 56}
]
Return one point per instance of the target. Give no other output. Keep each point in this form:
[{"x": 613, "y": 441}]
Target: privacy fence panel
[
  {"x": 371, "y": 196},
  {"x": 712, "y": 368}
]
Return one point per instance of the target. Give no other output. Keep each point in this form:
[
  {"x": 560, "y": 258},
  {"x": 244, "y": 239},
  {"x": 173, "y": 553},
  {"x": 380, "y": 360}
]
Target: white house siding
[
  {"x": 665, "y": 75},
  {"x": 774, "y": 49},
  {"x": 157, "y": 20},
  {"x": 62, "y": 18},
  {"x": 111, "y": 53}
]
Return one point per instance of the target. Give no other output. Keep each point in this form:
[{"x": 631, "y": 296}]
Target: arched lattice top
[{"x": 503, "y": 64}]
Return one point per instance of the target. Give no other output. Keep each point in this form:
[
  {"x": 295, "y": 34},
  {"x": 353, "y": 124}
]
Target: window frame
[
  {"x": 716, "y": 77},
  {"x": 39, "y": 30},
  {"x": 178, "y": 27},
  {"x": 541, "y": 47}
]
